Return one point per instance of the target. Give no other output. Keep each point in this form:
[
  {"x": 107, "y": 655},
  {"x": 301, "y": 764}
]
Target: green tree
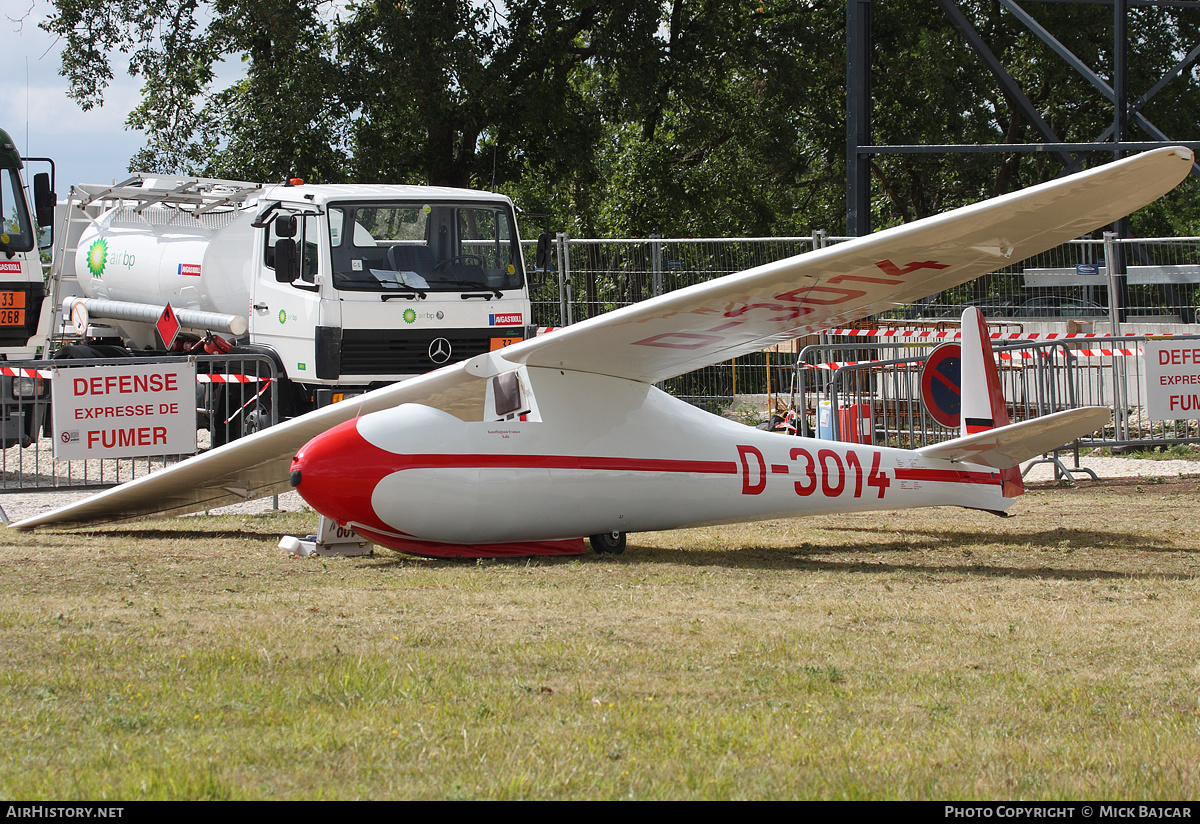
[
  {"x": 459, "y": 94},
  {"x": 716, "y": 120},
  {"x": 378, "y": 90},
  {"x": 684, "y": 117},
  {"x": 281, "y": 116},
  {"x": 929, "y": 87}
]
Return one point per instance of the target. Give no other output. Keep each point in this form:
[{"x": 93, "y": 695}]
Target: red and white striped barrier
[
  {"x": 1003, "y": 356},
  {"x": 951, "y": 334},
  {"x": 22, "y": 372},
  {"x": 230, "y": 379}
]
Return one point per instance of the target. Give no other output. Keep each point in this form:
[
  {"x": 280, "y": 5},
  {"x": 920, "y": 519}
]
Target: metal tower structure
[{"x": 859, "y": 148}]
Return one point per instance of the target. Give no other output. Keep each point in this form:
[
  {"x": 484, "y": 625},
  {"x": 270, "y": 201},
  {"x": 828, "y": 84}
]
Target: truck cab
[
  {"x": 360, "y": 285},
  {"x": 21, "y": 281},
  {"x": 22, "y": 295}
]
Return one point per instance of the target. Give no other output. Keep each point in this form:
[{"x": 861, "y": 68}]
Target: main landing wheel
[{"x": 608, "y": 543}]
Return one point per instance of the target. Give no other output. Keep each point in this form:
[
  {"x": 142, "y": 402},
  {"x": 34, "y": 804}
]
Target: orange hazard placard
[{"x": 12, "y": 308}]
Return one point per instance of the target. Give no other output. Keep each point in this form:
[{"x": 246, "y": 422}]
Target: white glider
[{"x": 531, "y": 448}]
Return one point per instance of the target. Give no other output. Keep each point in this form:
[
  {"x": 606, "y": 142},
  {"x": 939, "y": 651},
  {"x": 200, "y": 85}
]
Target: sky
[{"x": 35, "y": 110}]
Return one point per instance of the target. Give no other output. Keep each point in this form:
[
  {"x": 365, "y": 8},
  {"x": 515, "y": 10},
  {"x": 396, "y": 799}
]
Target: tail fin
[
  {"x": 982, "y": 399},
  {"x": 983, "y": 404}
]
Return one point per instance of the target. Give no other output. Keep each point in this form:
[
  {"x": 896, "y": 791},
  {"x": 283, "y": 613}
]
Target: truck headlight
[{"x": 28, "y": 387}]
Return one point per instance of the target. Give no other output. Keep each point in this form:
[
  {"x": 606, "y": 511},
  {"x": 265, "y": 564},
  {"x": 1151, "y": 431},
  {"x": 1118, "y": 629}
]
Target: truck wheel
[
  {"x": 608, "y": 543},
  {"x": 80, "y": 351},
  {"x": 246, "y": 415},
  {"x": 256, "y": 416},
  {"x": 33, "y": 426}
]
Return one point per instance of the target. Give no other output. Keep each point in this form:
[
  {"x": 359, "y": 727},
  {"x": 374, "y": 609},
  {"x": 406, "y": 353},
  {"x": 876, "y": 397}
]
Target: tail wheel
[{"x": 608, "y": 543}]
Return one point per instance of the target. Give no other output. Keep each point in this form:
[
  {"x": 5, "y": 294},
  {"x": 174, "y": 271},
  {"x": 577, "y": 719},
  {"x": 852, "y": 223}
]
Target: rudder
[{"x": 983, "y": 405}]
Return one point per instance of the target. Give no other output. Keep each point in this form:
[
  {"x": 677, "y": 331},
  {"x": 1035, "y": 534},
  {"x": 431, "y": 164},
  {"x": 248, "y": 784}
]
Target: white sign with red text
[
  {"x": 1172, "y": 379},
  {"x": 124, "y": 411}
]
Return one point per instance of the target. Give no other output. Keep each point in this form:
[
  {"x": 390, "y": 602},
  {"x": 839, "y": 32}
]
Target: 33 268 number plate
[{"x": 12, "y": 308}]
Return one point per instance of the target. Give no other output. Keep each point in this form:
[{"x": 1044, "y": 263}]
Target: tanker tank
[{"x": 166, "y": 255}]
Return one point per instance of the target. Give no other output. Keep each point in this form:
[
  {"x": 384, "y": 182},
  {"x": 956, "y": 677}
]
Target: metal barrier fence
[
  {"x": 591, "y": 277},
  {"x": 235, "y": 395},
  {"x": 869, "y": 391},
  {"x": 1112, "y": 373},
  {"x": 1152, "y": 280},
  {"x": 872, "y": 392}
]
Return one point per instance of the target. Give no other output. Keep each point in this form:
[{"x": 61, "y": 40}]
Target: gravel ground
[
  {"x": 1115, "y": 468},
  {"x": 18, "y": 505}
]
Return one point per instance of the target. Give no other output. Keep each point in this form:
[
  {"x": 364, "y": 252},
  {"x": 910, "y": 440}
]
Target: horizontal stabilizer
[{"x": 1007, "y": 446}]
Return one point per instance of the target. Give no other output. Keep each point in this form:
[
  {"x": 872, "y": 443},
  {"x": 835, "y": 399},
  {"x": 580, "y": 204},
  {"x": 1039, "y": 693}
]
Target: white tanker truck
[{"x": 343, "y": 287}]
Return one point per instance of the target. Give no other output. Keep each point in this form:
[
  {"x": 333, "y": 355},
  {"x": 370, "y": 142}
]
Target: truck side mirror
[
  {"x": 285, "y": 226},
  {"x": 43, "y": 199},
  {"x": 541, "y": 259},
  {"x": 286, "y": 260}
]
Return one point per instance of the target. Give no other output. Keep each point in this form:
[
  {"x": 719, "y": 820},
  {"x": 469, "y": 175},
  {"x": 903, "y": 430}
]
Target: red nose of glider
[{"x": 337, "y": 471}]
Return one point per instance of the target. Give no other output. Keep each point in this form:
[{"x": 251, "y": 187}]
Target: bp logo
[
  {"x": 96, "y": 256},
  {"x": 283, "y": 316},
  {"x": 410, "y": 315}
]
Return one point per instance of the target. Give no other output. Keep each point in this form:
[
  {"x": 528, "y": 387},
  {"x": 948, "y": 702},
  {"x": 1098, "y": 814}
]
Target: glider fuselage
[{"x": 604, "y": 455}]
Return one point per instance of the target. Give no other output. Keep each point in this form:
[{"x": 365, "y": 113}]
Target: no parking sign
[{"x": 941, "y": 384}]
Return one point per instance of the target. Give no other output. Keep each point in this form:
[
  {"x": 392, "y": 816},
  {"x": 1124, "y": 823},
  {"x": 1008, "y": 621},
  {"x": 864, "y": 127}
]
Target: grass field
[{"x": 924, "y": 654}]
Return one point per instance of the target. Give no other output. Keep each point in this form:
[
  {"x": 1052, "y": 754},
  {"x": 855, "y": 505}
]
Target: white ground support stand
[
  {"x": 1061, "y": 472},
  {"x": 330, "y": 540}
]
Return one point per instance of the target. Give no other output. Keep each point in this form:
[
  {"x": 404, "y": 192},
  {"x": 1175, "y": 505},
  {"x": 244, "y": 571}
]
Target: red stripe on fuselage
[
  {"x": 480, "y": 461},
  {"x": 949, "y": 476}
]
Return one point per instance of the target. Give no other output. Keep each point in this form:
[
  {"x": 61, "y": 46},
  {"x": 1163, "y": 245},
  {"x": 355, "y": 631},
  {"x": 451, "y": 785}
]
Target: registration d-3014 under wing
[{"x": 533, "y": 448}]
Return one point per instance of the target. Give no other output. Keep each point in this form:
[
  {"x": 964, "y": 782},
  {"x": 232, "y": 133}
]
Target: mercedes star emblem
[{"x": 439, "y": 350}]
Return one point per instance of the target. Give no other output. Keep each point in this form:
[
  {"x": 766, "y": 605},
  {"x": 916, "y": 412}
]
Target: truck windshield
[
  {"x": 16, "y": 234},
  {"x": 424, "y": 246}
]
